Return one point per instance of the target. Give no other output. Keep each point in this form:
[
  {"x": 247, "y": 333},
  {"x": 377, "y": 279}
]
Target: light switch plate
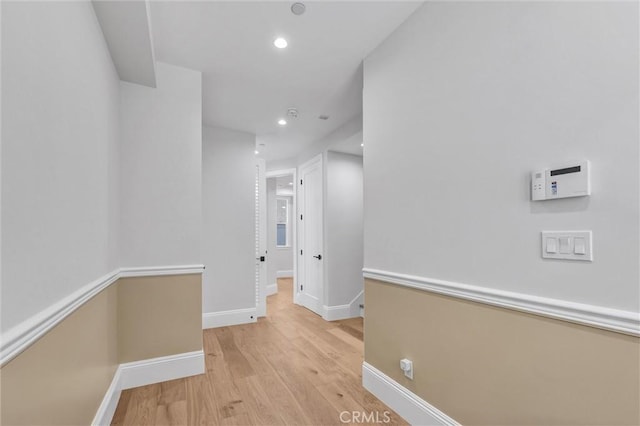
[{"x": 567, "y": 248}]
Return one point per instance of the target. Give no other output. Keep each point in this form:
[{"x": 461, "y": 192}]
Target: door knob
[{"x": 319, "y": 257}]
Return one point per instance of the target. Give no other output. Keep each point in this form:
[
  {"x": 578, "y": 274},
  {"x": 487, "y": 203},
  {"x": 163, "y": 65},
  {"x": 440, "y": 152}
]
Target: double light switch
[{"x": 570, "y": 245}]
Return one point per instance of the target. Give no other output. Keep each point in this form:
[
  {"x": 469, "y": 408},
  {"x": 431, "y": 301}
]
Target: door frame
[
  {"x": 294, "y": 226},
  {"x": 300, "y": 188},
  {"x": 261, "y": 237}
]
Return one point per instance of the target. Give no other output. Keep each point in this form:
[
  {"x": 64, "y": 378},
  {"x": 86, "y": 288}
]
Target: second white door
[{"x": 310, "y": 250}]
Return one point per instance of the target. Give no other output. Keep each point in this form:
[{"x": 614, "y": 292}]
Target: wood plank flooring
[{"x": 291, "y": 367}]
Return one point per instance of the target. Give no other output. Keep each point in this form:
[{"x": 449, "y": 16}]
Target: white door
[
  {"x": 310, "y": 219},
  {"x": 261, "y": 239}
]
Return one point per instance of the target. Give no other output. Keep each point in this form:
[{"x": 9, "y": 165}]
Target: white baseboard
[
  {"x": 408, "y": 405},
  {"x": 354, "y": 307},
  {"x": 109, "y": 403},
  {"x": 284, "y": 274},
  {"x": 156, "y": 370},
  {"x": 334, "y": 313},
  {"x": 226, "y": 318},
  {"x": 272, "y": 289},
  {"x": 146, "y": 372},
  {"x": 339, "y": 312}
]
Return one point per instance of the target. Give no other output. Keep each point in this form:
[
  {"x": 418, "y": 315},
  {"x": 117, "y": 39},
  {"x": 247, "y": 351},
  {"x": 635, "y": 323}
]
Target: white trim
[
  {"x": 146, "y": 372},
  {"x": 109, "y": 403},
  {"x": 407, "y": 404},
  {"x": 154, "y": 271},
  {"x": 284, "y": 274},
  {"x": 20, "y": 337},
  {"x": 278, "y": 173},
  {"x": 226, "y": 318},
  {"x": 272, "y": 289},
  {"x": 339, "y": 312},
  {"x": 162, "y": 369},
  {"x": 23, "y": 335},
  {"x": 595, "y": 316},
  {"x": 355, "y": 309}
]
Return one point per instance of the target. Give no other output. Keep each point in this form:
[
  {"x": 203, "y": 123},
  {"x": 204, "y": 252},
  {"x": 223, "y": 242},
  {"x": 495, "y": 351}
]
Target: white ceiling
[
  {"x": 248, "y": 84},
  {"x": 126, "y": 30}
]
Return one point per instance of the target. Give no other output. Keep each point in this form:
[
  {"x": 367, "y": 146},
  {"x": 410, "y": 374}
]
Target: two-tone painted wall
[
  {"x": 101, "y": 216},
  {"x": 461, "y": 104}
]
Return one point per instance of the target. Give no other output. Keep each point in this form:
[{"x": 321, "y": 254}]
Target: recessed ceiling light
[
  {"x": 362, "y": 144},
  {"x": 280, "y": 43},
  {"x": 256, "y": 152},
  {"x": 290, "y": 183},
  {"x": 282, "y": 122}
]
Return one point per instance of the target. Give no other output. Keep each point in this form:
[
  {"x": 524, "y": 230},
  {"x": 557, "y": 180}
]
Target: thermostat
[{"x": 564, "y": 181}]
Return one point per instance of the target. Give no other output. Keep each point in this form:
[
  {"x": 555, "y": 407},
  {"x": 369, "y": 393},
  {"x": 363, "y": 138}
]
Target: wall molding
[
  {"x": 227, "y": 318},
  {"x": 339, "y": 312},
  {"x": 146, "y": 372},
  {"x": 594, "y": 316},
  {"x": 19, "y": 338},
  {"x": 407, "y": 404},
  {"x": 153, "y": 271},
  {"x": 284, "y": 274}
]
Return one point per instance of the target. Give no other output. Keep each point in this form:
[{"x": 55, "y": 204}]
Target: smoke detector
[
  {"x": 298, "y": 8},
  {"x": 292, "y": 112}
]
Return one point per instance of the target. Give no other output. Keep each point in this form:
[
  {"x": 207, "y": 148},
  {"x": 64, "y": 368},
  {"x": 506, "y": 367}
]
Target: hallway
[{"x": 291, "y": 367}]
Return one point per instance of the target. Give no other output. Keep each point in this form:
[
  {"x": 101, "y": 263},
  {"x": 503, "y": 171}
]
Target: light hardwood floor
[{"x": 291, "y": 367}]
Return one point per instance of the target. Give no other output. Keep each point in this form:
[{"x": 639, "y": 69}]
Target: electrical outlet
[{"x": 406, "y": 366}]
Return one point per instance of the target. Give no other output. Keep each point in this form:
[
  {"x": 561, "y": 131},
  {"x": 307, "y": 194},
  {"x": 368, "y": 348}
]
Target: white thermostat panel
[{"x": 567, "y": 180}]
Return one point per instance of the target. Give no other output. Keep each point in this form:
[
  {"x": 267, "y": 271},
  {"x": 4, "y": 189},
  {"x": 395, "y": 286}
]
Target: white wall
[
  {"x": 461, "y": 103},
  {"x": 344, "y": 223},
  {"x": 59, "y": 155},
  {"x": 343, "y": 229},
  {"x": 333, "y": 140},
  {"x": 228, "y": 244},
  {"x": 287, "y": 163},
  {"x": 161, "y": 163}
]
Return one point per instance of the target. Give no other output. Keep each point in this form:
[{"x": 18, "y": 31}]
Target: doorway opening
[{"x": 281, "y": 229}]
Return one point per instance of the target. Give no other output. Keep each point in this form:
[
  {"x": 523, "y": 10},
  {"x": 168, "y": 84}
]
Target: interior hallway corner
[{"x": 291, "y": 367}]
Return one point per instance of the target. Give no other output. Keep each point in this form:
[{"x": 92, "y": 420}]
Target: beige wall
[
  {"x": 486, "y": 365},
  {"x": 62, "y": 378},
  {"x": 159, "y": 316}
]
